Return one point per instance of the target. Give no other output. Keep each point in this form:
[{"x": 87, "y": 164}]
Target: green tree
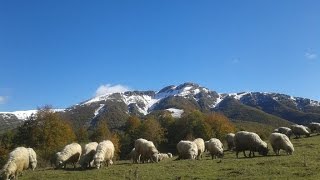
[
  {"x": 82, "y": 135},
  {"x": 101, "y": 132},
  {"x": 152, "y": 131}
]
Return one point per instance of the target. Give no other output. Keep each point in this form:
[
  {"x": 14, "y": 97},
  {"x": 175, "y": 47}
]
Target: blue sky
[{"x": 61, "y": 52}]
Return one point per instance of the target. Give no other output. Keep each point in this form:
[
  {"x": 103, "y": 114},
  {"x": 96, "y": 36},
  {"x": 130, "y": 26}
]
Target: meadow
[{"x": 303, "y": 164}]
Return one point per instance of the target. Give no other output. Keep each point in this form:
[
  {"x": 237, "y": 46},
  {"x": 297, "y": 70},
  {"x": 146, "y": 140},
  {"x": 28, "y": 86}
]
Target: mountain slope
[{"x": 270, "y": 109}]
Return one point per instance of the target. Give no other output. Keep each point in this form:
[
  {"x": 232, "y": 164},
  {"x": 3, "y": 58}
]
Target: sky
[{"x": 64, "y": 52}]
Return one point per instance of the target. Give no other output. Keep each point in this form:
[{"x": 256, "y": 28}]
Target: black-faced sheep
[
  {"x": 105, "y": 153},
  {"x": 187, "y": 150},
  {"x": 86, "y": 159},
  {"x": 280, "y": 141},
  {"x": 244, "y": 141},
  {"x": 70, "y": 154}
]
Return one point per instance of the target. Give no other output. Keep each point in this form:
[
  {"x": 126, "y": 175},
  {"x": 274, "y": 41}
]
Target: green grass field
[{"x": 303, "y": 164}]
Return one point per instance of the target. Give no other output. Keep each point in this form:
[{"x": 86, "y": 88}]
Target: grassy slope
[{"x": 270, "y": 167}]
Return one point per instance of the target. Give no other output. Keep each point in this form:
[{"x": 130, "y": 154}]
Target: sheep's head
[
  {"x": 97, "y": 162},
  {"x": 155, "y": 157},
  {"x": 263, "y": 150},
  {"x": 33, "y": 165}
]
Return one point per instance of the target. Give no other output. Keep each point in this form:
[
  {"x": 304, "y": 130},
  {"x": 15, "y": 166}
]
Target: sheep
[
  {"x": 32, "y": 158},
  {"x": 87, "y": 156},
  {"x": 280, "y": 141},
  {"x": 284, "y": 130},
  {"x": 299, "y": 130},
  {"x": 162, "y": 156},
  {"x": 244, "y": 140},
  {"x": 147, "y": 150},
  {"x": 200, "y": 145},
  {"x": 134, "y": 156},
  {"x": 104, "y": 153},
  {"x": 206, "y": 146},
  {"x": 314, "y": 127},
  {"x": 215, "y": 147},
  {"x": 187, "y": 150},
  {"x": 71, "y": 153},
  {"x": 170, "y": 155},
  {"x": 17, "y": 162},
  {"x": 229, "y": 140}
]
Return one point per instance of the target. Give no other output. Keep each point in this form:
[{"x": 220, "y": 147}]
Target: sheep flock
[{"x": 96, "y": 155}]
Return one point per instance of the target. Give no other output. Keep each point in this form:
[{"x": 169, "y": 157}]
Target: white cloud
[
  {"x": 3, "y": 99},
  {"x": 109, "y": 89},
  {"x": 309, "y": 55}
]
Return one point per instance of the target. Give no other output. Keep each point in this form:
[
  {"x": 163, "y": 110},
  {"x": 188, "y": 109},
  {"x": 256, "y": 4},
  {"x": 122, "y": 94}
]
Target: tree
[
  {"x": 101, "y": 132},
  {"x": 152, "y": 131},
  {"x": 82, "y": 135},
  {"x": 50, "y": 132},
  {"x": 191, "y": 126},
  {"x": 219, "y": 125}
]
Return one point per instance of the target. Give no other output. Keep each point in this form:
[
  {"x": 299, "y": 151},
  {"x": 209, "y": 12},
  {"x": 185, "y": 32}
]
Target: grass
[{"x": 303, "y": 164}]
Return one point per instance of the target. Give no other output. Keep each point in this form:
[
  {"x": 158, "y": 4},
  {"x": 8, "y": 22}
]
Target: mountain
[{"x": 271, "y": 109}]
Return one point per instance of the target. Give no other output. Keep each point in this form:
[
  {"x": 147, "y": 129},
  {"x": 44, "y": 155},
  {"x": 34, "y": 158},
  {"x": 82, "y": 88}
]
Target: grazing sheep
[
  {"x": 104, "y": 153},
  {"x": 229, "y": 140},
  {"x": 215, "y": 147},
  {"x": 134, "y": 156},
  {"x": 200, "y": 145},
  {"x": 70, "y": 154},
  {"x": 314, "y": 127},
  {"x": 244, "y": 140},
  {"x": 87, "y": 156},
  {"x": 162, "y": 156},
  {"x": 17, "y": 162},
  {"x": 299, "y": 130},
  {"x": 206, "y": 146},
  {"x": 147, "y": 150},
  {"x": 284, "y": 130},
  {"x": 32, "y": 158},
  {"x": 280, "y": 141},
  {"x": 170, "y": 155},
  {"x": 187, "y": 150}
]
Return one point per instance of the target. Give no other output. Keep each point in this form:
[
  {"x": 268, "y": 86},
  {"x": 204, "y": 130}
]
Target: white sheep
[
  {"x": 32, "y": 158},
  {"x": 104, "y": 153},
  {"x": 134, "y": 156},
  {"x": 314, "y": 127},
  {"x": 87, "y": 155},
  {"x": 299, "y": 130},
  {"x": 200, "y": 145},
  {"x": 170, "y": 155},
  {"x": 284, "y": 130},
  {"x": 162, "y": 156},
  {"x": 280, "y": 141},
  {"x": 229, "y": 140},
  {"x": 17, "y": 162},
  {"x": 215, "y": 147},
  {"x": 147, "y": 150},
  {"x": 71, "y": 153},
  {"x": 187, "y": 150},
  {"x": 244, "y": 140}
]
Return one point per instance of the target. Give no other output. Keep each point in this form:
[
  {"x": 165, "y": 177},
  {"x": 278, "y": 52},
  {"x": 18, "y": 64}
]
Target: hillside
[
  {"x": 303, "y": 164},
  {"x": 272, "y": 109}
]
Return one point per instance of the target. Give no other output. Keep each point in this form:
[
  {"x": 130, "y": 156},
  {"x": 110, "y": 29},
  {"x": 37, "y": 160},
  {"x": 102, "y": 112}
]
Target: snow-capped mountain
[{"x": 116, "y": 107}]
